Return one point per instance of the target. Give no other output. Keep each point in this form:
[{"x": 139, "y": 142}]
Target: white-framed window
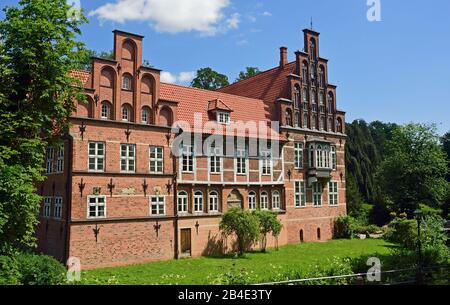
[
  {"x": 47, "y": 207},
  {"x": 157, "y": 205},
  {"x": 187, "y": 158},
  {"x": 326, "y": 156},
  {"x": 49, "y": 160},
  {"x": 57, "y": 208},
  {"x": 156, "y": 159},
  {"x": 252, "y": 200},
  {"x": 276, "y": 200},
  {"x": 298, "y": 154},
  {"x": 215, "y": 160},
  {"x": 266, "y": 163},
  {"x": 333, "y": 193},
  {"x": 126, "y": 82},
  {"x": 223, "y": 117},
  {"x": 125, "y": 113},
  {"x": 264, "y": 201},
  {"x": 96, "y": 206},
  {"x": 96, "y": 156},
  {"x": 105, "y": 111},
  {"x": 317, "y": 193},
  {"x": 60, "y": 160},
  {"x": 333, "y": 158},
  {"x": 300, "y": 194},
  {"x": 145, "y": 116},
  {"x": 182, "y": 202},
  {"x": 241, "y": 162},
  {"x": 213, "y": 202},
  {"x": 127, "y": 158},
  {"x": 198, "y": 202}
]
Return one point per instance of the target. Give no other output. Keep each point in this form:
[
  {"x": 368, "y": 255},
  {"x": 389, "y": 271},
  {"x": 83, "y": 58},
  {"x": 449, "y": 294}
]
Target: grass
[{"x": 203, "y": 269}]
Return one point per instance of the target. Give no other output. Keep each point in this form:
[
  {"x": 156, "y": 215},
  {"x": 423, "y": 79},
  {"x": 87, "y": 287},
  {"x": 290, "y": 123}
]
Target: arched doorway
[{"x": 234, "y": 200}]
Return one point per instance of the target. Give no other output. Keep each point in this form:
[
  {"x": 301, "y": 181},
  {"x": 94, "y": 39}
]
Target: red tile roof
[{"x": 267, "y": 86}]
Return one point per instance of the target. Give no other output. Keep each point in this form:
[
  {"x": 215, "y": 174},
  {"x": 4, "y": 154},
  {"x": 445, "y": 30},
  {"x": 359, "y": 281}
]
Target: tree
[
  {"x": 38, "y": 50},
  {"x": 86, "y": 60},
  {"x": 268, "y": 222},
  {"x": 414, "y": 169},
  {"x": 353, "y": 196},
  {"x": 243, "y": 224},
  {"x": 209, "y": 79},
  {"x": 249, "y": 72}
]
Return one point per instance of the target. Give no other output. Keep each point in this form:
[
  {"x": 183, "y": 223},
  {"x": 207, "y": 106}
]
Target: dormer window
[{"x": 223, "y": 117}]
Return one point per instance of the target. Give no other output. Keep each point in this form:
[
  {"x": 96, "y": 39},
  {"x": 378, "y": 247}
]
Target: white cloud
[
  {"x": 171, "y": 16},
  {"x": 242, "y": 42},
  {"x": 233, "y": 21},
  {"x": 182, "y": 78},
  {"x": 267, "y": 14}
]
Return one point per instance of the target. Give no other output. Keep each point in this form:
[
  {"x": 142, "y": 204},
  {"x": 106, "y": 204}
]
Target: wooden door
[{"x": 186, "y": 241}]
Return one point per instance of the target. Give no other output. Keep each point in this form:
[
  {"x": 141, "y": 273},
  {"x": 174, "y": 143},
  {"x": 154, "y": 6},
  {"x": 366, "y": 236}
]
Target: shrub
[
  {"x": 402, "y": 232},
  {"x": 234, "y": 277},
  {"x": 9, "y": 271},
  {"x": 344, "y": 227},
  {"x": 268, "y": 222},
  {"x": 434, "y": 239},
  {"x": 40, "y": 270},
  {"x": 429, "y": 211}
]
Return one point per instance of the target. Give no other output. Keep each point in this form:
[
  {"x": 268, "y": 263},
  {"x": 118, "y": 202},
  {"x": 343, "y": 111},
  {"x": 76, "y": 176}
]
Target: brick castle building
[{"x": 117, "y": 193}]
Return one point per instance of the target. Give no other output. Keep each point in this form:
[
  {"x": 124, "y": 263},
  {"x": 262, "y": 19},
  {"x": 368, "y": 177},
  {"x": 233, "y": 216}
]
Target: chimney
[{"x": 283, "y": 57}]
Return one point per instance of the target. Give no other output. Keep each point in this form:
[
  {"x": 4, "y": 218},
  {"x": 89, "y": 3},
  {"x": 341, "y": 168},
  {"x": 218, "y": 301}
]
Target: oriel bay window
[
  {"x": 127, "y": 158},
  {"x": 321, "y": 156}
]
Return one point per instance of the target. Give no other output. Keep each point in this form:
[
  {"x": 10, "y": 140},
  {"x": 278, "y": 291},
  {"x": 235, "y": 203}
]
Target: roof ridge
[
  {"x": 254, "y": 76},
  {"x": 212, "y": 91}
]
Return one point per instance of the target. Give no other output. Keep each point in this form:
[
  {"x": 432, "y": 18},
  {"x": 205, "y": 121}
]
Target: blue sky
[{"x": 395, "y": 70}]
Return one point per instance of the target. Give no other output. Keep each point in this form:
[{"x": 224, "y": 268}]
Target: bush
[
  {"x": 9, "y": 271},
  {"x": 40, "y": 270},
  {"x": 429, "y": 211},
  {"x": 402, "y": 232},
  {"x": 344, "y": 227}
]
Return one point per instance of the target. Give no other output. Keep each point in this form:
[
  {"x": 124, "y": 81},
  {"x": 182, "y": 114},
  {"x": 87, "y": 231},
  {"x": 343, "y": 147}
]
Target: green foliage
[
  {"x": 234, "y": 276},
  {"x": 38, "y": 49},
  {"x": 434, "y": 240},
  {"x": 85, "y": 62},
  {"x": 249, "y": 72},
  {"x": 209, "y": 79},
  {"x": 402, "y": 232},
  {"x": 414, "y": 168},
  {"x": 429, "y": 211},
  {"x": 354, "y": 197},
  {"x": 243, "y": 224},
  {"x": 268, "y": 222},
  {"x": 40, "y": 270},
  {"x": 344, "y": 227},
  {"x": 9, "y": 271}
]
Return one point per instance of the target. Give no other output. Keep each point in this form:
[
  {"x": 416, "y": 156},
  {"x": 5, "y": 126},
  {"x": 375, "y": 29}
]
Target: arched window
[
  {"x": 276, "y": 202},
  {"x": 305, "y": 71},
  {"x": 314, "y": 122},
  {"x": 297, "y": 119},
  {"x": 165, "y": 116},
  {"x": 322, "y": 76},
  {"x": 126, "y": 113},
  {"x": 106, "y": 110},
  {"x": 147, "y": 85},
  {"x": 311, "y": 160},
  {"x": 264, "y": 201},
  {"x": 318, "y": 234},
  {"x": 330, "y": 103},
  {"x": 128, "y": 50},
  {"x": 213, "y": 202},
  {"x": 319, "y": 159},
  {"x": 297, "y": 96},
  {"x": 301, "y": 236},
  {"x": 127, "y": 82},
  {"x": 252, "y": 200},
  {"x": 182, "y": 202},
  {"x": 312, "y": 48},
  {"x": 305, "y": 95},
  {"x": 333, "y": 158},
  {"x": 288, "y": 117},
  {"x": 107, "y": 78},
  {"x": 322, "y": 123},
  {"x": 198, "y": 202},
  {"x": 330, "y": 124},
  {"x": 305, "y": 120},
  {"x": 339, "y": 125},
  {"x": 145, "y": 115},
  {"x": 313, "y": 100}
]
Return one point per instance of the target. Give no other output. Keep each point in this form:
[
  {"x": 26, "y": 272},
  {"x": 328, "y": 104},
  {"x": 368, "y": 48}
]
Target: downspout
[
  {"x": 175, "y": 209},
  {"x": 68, "y": 198}
]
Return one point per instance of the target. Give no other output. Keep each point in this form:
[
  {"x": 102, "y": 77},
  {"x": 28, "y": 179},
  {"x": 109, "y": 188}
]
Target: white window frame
[
  {"x": 57, "y": 208},
  {"x": 126, "y": 85},
  {"x": 333, "y": 158},
  {"x": 49, "y": 160},
  {"x": 264, "y": 200},
  {"x": 144, "y": 116},
  {"x": 127, "y": 160},
  {"x": 125, "y": 113},
  {"x": 156, "y": 157},
  {"x": 213, "y": 199},
  {"x": 317, "y": 190},
  {"x": 298, "y": 155},
  {"x": 60, "y": 160},
  {"x": 252, "y": 203},
  {"x": 276, "y": 200},
  {"x": 96, "y": 205},
  {"x": 105, "y": 111},
  {"x": 155, "y": 201},
  {"x": 187, "y": 159},
  {"x": 241, "y": 162},
  {"x": 198, "y": 202},
  {"x": 96, "y": 157},
  {"x": 300, "y": 194},
  {"x": 47, "y": 210},
  {"x": 223, "y": 117},
  {"x": 215, "y": 161},
  {"x": 333, "y": 193},
  {"x": 266, "y": 163},
  {"x": 182, "y": 202}
]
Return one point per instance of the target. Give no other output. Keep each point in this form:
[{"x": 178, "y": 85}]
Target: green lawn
[{"x": 201, "y": 270}]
